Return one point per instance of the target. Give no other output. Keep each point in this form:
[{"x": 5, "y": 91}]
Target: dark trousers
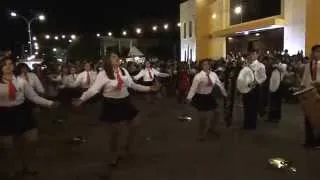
[
  {"x": 263, "y": 99},
  {"x": 229, "y": 105},
  {"x": 250, "y": 107},
  {"x": 310, "y": 136},
  {"x": 275, "y": 114}
]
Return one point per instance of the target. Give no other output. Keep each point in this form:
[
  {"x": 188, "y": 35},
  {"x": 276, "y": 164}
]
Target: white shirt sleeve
[
  {"x": 139, "y": 75},
  {"x": 131, "y": 84},
  {"x": 98, "y": 84},
  {"x": 220, "y": 84},
  {"x": 34, "y": 97},
  {"x": 94, "y": 76},
  {"x": 38, "y": 85},
  {"x": 194, "y": 87},
  {"x": 260, "y": 74},
  {"x": 159, "y": 74}
]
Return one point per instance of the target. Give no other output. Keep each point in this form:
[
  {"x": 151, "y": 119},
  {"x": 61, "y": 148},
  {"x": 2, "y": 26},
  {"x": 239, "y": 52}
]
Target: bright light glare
[
  {"x": 109, "y": 33},
  {"x": 73, "y": 36},
  {"x": 166, "y": 26},
  {"x": 70, "y": 41},
  {"x": 124, "y": 33},
  {"x": 179, "y": 24},
  {"x": 60, "y": 60},
  {"x": 13, "y": 14},
  {"x": 36, "y": 53},
  {"x": 230, "y": 38},
  {"x": 257, "y": 34},
  {"x": 155, "y": 28},
  {"x": 138, "y": 30},
  {"x": 35, "y": 44},
  {"x": 214, "y": 16},
  {"x": 34, "y": 38},
  {"x": 54, "y": 49},
  {"x": 246, "y": 33},
  {"x": 31, "y": 57},
  {"x": 42, "y": 17},
  {"x": 47, "y": 36},
  {"x": 98, "y": 35},
  {"x": 56, "y": 38},
  {"x": 36, "y": 47},
  {"x": 238, "y": 10},
  {"x": 63, "y": 36}
]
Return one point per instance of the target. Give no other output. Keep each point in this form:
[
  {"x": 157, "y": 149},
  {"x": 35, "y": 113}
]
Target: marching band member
[
  {"x": 275, "y": 88},
  {"x": 116, "y": 107},
  {"x": 202, "y": 98},
  {"x": 311, "y": 77},
  {"x": 149, "y": 74},
  {"x": 16, "y": 125},
  {"x": 249, "y": 79}
]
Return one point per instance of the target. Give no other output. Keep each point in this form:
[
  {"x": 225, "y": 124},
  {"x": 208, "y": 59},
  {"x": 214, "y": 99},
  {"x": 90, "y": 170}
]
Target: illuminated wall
[
  {"x": 294, "y": 12},
  {"x": 187, "y": 31}
]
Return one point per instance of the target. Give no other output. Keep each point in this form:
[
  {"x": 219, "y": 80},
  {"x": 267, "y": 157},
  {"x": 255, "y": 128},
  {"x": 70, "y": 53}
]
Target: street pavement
[{"x": 167, "y": 149}]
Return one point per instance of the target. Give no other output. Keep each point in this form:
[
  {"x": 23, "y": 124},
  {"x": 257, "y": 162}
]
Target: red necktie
[
  {"x": 88, "y": 78},
  {"x": 120, "y": 81},
  {"x": 209, "y": 81},
  {"x": 314, "y": 70},
  {"x": 11, "y": 91},
  {"x": 150, "y": 75}
]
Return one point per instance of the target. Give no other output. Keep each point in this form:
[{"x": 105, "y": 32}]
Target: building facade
[{"x": 213, "y": 26}]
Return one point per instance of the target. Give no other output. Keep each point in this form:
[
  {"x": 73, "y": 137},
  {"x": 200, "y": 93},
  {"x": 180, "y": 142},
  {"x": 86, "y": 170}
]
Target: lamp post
[{"x": 40, "y": 17}]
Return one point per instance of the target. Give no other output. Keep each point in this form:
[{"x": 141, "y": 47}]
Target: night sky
[{"x": 83, "y": 17}]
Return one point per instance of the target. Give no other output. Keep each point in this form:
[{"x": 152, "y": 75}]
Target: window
[
  {"x": 184, "y": 30},
  {"x": 185, "y": 55},
  {"x": 190, "y": 29},
  {"x": 190, "y": 57}
]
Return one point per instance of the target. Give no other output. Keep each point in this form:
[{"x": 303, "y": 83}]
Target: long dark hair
[
  {"x": 19, "y": 68},
  {"x": 108, "y": 65},
  {"x": 2, "y": 64}
]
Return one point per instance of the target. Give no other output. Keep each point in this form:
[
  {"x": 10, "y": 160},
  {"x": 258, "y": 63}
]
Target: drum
[
  {"x": 245, "y": 78},
  {"x": 310, "y": 105}
]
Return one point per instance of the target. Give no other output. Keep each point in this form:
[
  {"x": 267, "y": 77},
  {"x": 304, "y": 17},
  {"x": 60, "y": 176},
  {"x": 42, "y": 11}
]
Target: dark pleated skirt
[
  {"x": 14, "y": 121},
  {"x": 117, "y": 110},
  {"x": 204, "y": 102}
]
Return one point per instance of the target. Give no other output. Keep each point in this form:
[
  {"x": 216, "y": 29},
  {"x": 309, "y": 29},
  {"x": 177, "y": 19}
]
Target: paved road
[{"x": 167, "y": 149}]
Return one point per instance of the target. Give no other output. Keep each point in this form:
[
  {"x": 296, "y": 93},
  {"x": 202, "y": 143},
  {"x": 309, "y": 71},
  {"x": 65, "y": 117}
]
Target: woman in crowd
[
  {"x": 24, "y": 72},
  {"x": 86, "y": 78},
  {"x": 116, "y": 107},
  {"x": 16, "y": 125},
  {"x": 183, "y": 82},
  {"x": 202, "y": 98}
]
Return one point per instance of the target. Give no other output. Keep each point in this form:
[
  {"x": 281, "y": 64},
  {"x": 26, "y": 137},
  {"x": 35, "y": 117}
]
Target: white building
[{"x": 187, "y": 31}]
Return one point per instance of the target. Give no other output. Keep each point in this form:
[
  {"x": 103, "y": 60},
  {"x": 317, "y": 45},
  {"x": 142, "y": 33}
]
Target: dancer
[
  {"x": 116, "y": 107},
  {"x": 24, "y": 72},
  {"x": 201, "y": 97},
  {"x": 248, "y": 83},
  {"x": 86, "y": 78},
  {"x": 149, "y": 75},
  {"x": 16, "y": 125}
]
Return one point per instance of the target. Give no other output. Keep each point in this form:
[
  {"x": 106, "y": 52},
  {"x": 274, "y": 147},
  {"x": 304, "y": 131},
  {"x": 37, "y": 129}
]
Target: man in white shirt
[{"x": 249, "y": 80}]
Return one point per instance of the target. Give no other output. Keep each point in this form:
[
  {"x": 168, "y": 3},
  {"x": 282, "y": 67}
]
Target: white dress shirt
[
  {"x": 245, "y": 78},
  {"x": 34, "y": 82},
  {"x": 306, "y": 80},
  {"x": 259, "y": 71},
  {"x": 82, "y": 80},
  {"x": 146, "y": 76},
  {"x": 23, "y": 91},
  {"x": 200, "y": 84},
  {"x": 109, "y": 86}
]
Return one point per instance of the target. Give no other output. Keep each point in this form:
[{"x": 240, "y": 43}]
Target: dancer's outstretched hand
[{"x": 76, "y": 102}]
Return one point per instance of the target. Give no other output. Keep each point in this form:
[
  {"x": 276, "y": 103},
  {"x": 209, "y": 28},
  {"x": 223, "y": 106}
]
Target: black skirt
[
  {"x": 204, "y": 102},
  {"x": 117, "y": 110},
  {"x": 14, "y": 121}
]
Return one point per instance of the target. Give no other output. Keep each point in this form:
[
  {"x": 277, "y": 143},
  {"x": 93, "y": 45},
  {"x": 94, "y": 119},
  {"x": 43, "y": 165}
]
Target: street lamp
[
  {"x": 109, "y": 34},
  {"x": 54, "y": 49},
  {"x": 70, "y": 41},
  {"x": 138, "y": 30},
  {"x": 47, "y": 36},
  {"x": 166, "y": 26},
  {"x": 73, "y": 37},
  {"x": 34, "y": 38},
  {"x": 56, "y": 38},
  {"x": 124, "y": 33},
  {"x": 39, "y": 17},
  {"x": 63, "y": 36},
  {"x": 155, "y": 28},
  {"x": 98, "y": 35}
]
